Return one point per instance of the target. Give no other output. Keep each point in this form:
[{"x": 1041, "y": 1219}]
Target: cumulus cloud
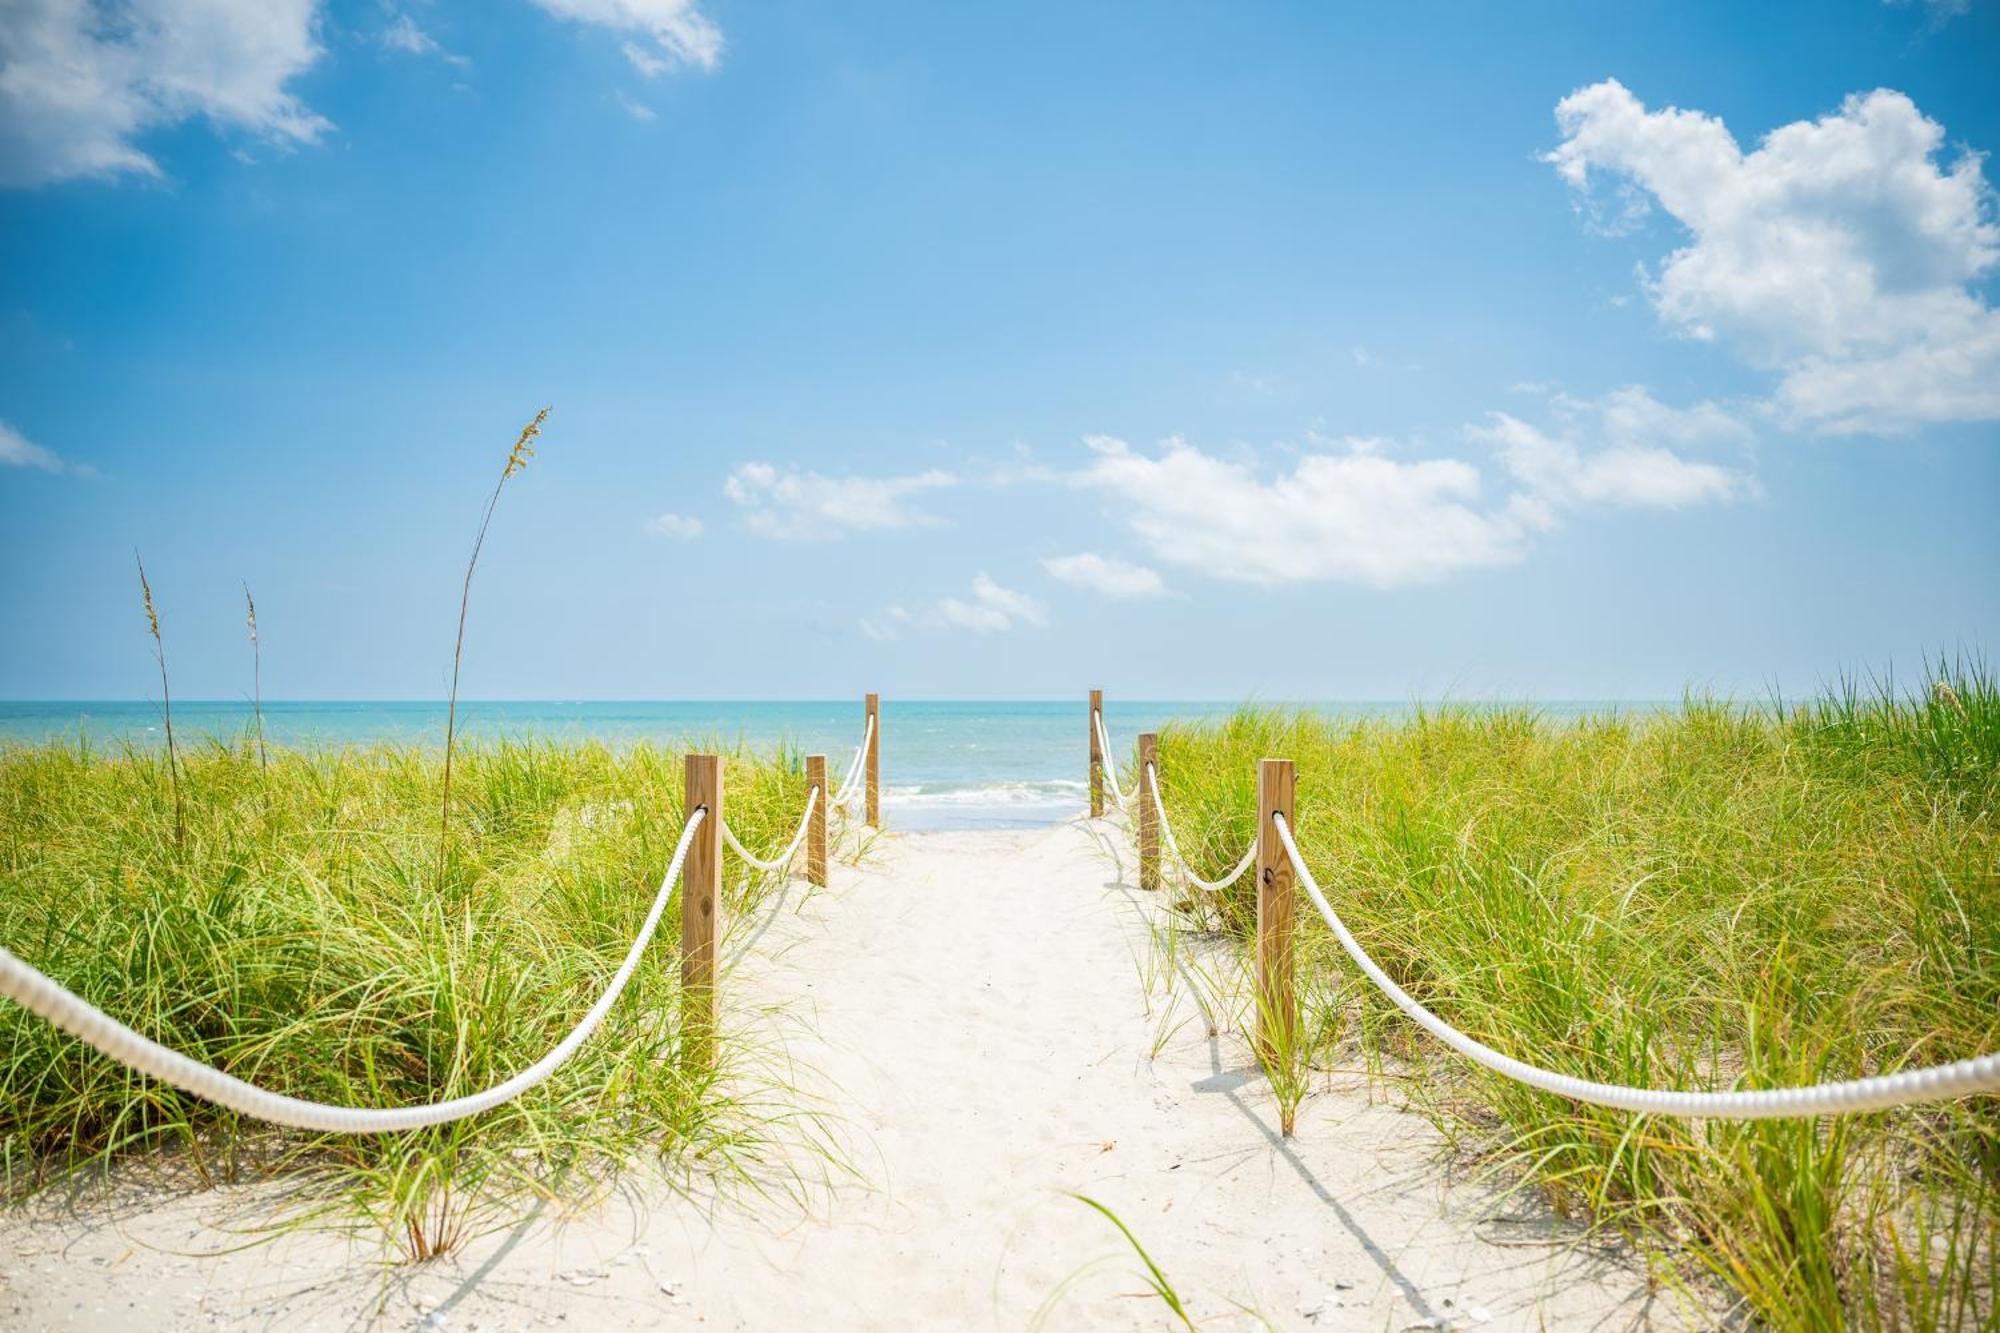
[
  {"x": 1839, "y": 253},
  {"x": 1108, "y": 575},
  {"x": 1356, "y": 514},
  {"x": 1555, "y": 471},
  {"x": 81, "y": 80},
  {"x": 804, "y": 506},
  {"x": 1632, "y": 417},
  {"x": 1618, "y": 451},
  {"x": 1352, "y": 517},
  {"x": 17, "y": 450},
  {"x": 671, "y": 33},
  {"x": 990, "y": 608},
  {"x": 676, "y": 527}
]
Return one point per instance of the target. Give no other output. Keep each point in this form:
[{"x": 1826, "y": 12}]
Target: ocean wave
[{"x": 1057, "y": 791}]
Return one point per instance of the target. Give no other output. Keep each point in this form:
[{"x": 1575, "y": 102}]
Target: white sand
[{"x": 970, "y": 1006}]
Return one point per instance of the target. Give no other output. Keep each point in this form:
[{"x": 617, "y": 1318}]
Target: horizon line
[{"x": 1114, "y": 701}]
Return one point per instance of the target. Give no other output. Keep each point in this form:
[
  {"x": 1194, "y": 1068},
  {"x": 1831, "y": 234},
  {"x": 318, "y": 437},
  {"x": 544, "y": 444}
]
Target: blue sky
[{"x": 1191, "y": 350}]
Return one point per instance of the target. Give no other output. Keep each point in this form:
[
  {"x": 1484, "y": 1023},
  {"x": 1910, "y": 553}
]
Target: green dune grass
[
  {"x": 1714, "y": 896},
  {"x": 299, "y": 935}
]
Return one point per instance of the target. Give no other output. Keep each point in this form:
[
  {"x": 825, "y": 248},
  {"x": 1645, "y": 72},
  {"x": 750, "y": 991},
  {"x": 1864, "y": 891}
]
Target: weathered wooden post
[
  {"x": 816, "y": 826},
  {"x": 1277, "y": 1010},
  {"x": 701, "y": 908},
  {"x": 1096, "y": 756},
  {"x": 1149, "y": 819},
  {"x": 872, "y": 730}
]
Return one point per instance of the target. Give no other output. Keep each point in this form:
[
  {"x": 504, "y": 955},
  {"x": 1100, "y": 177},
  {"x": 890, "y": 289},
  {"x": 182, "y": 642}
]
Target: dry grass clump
[{"x": 1714, "y": 896}]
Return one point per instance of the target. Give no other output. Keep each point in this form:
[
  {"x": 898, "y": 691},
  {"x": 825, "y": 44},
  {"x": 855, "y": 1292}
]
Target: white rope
[
  {"x": 1152, "y": 780},
  {"x": 1110, "y": 769},
  {"x": 844, "y": 792},
  {"x": 783, "y": 858},
  {"x": 38, "y": 994},
  {"x": 1959, "y": 1079},
  {"x": 848, "y": 788}
]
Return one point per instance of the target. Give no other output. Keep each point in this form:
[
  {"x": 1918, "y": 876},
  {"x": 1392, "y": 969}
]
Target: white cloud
[
  {"x": 81, "y": 81},
  {"x": 680, "y": 33},
  {"x": 991, "y": 609},
  {"x": 1940, "y": 11},
  {"x": 1838, "y": 253},
  {"x": 1618, "y": 451},
  {"x": 1556, "y": 472},
  {"x": 1354, "y": 514},
  {"x": 1108, "y": 575},
  {"x": 637, "y": 110},
  {"x": 1632, "y": 417},
  {"x": 1367, "y": 358},
  {"x": 17, "y": 450},
  {"x": 804, "y": 506},
  {"x": 1350, "y": 517},
  {"x": 890, "y": 627},
  {"x": 645, "y": 61},
  {"x": 676, "y": 527},
  {"x": 405, "y": 36}
]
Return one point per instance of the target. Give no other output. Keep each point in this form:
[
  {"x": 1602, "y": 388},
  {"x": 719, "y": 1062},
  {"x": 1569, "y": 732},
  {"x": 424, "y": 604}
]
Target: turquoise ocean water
[{"x": 944, "y": 764}]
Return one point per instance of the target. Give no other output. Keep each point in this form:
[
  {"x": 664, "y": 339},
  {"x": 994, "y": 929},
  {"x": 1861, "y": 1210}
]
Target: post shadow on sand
[{"x": 1230, "y": 1083}]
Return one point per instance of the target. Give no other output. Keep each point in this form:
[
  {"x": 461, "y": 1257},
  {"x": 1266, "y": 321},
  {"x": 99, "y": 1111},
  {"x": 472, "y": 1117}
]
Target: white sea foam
[
  {"x": 988, "y": 805},
  {"x": 997, "y": 793}
]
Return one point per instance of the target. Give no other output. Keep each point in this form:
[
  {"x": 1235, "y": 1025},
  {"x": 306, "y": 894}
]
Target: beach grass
[
  {"x": 1709, "y": 896},
  {"x": 296, "y": 932}
]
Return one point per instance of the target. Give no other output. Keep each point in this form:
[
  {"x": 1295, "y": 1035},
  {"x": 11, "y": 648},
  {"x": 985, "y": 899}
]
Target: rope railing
[
  {"x": 783, "y": 858},
  {"x": 1907, "y": 1087},
  {"x": 1277, "y": 850},
  {"x": 850, "y": 785},
  {"x": 695, "y": 866},
  {"x": 1152, "y": 781},
  {"x": 35, "y": 991},
  {"x": 1110, "y": 765}
]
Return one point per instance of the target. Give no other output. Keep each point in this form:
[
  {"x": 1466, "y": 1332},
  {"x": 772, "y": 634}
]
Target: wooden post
[
  {"x": 1149, "y": 819},
  {"x": 701, "y": 908},
  {"x": 1277, "y": 1009},
  {"x": 1096, "y": 757},
  {"x": 873, "y": 815},
  {"x": 816, "y": 826}
]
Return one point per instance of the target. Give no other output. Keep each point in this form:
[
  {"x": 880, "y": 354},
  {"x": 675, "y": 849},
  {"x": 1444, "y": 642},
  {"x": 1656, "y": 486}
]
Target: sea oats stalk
[
  {"x": 166, "y": 702},
  {"x": 256, "y": 678},
  {"x": 517, "y": 458}
]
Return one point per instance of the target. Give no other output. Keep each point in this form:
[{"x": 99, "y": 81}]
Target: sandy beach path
[{"x": 972, "y": 1008}]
